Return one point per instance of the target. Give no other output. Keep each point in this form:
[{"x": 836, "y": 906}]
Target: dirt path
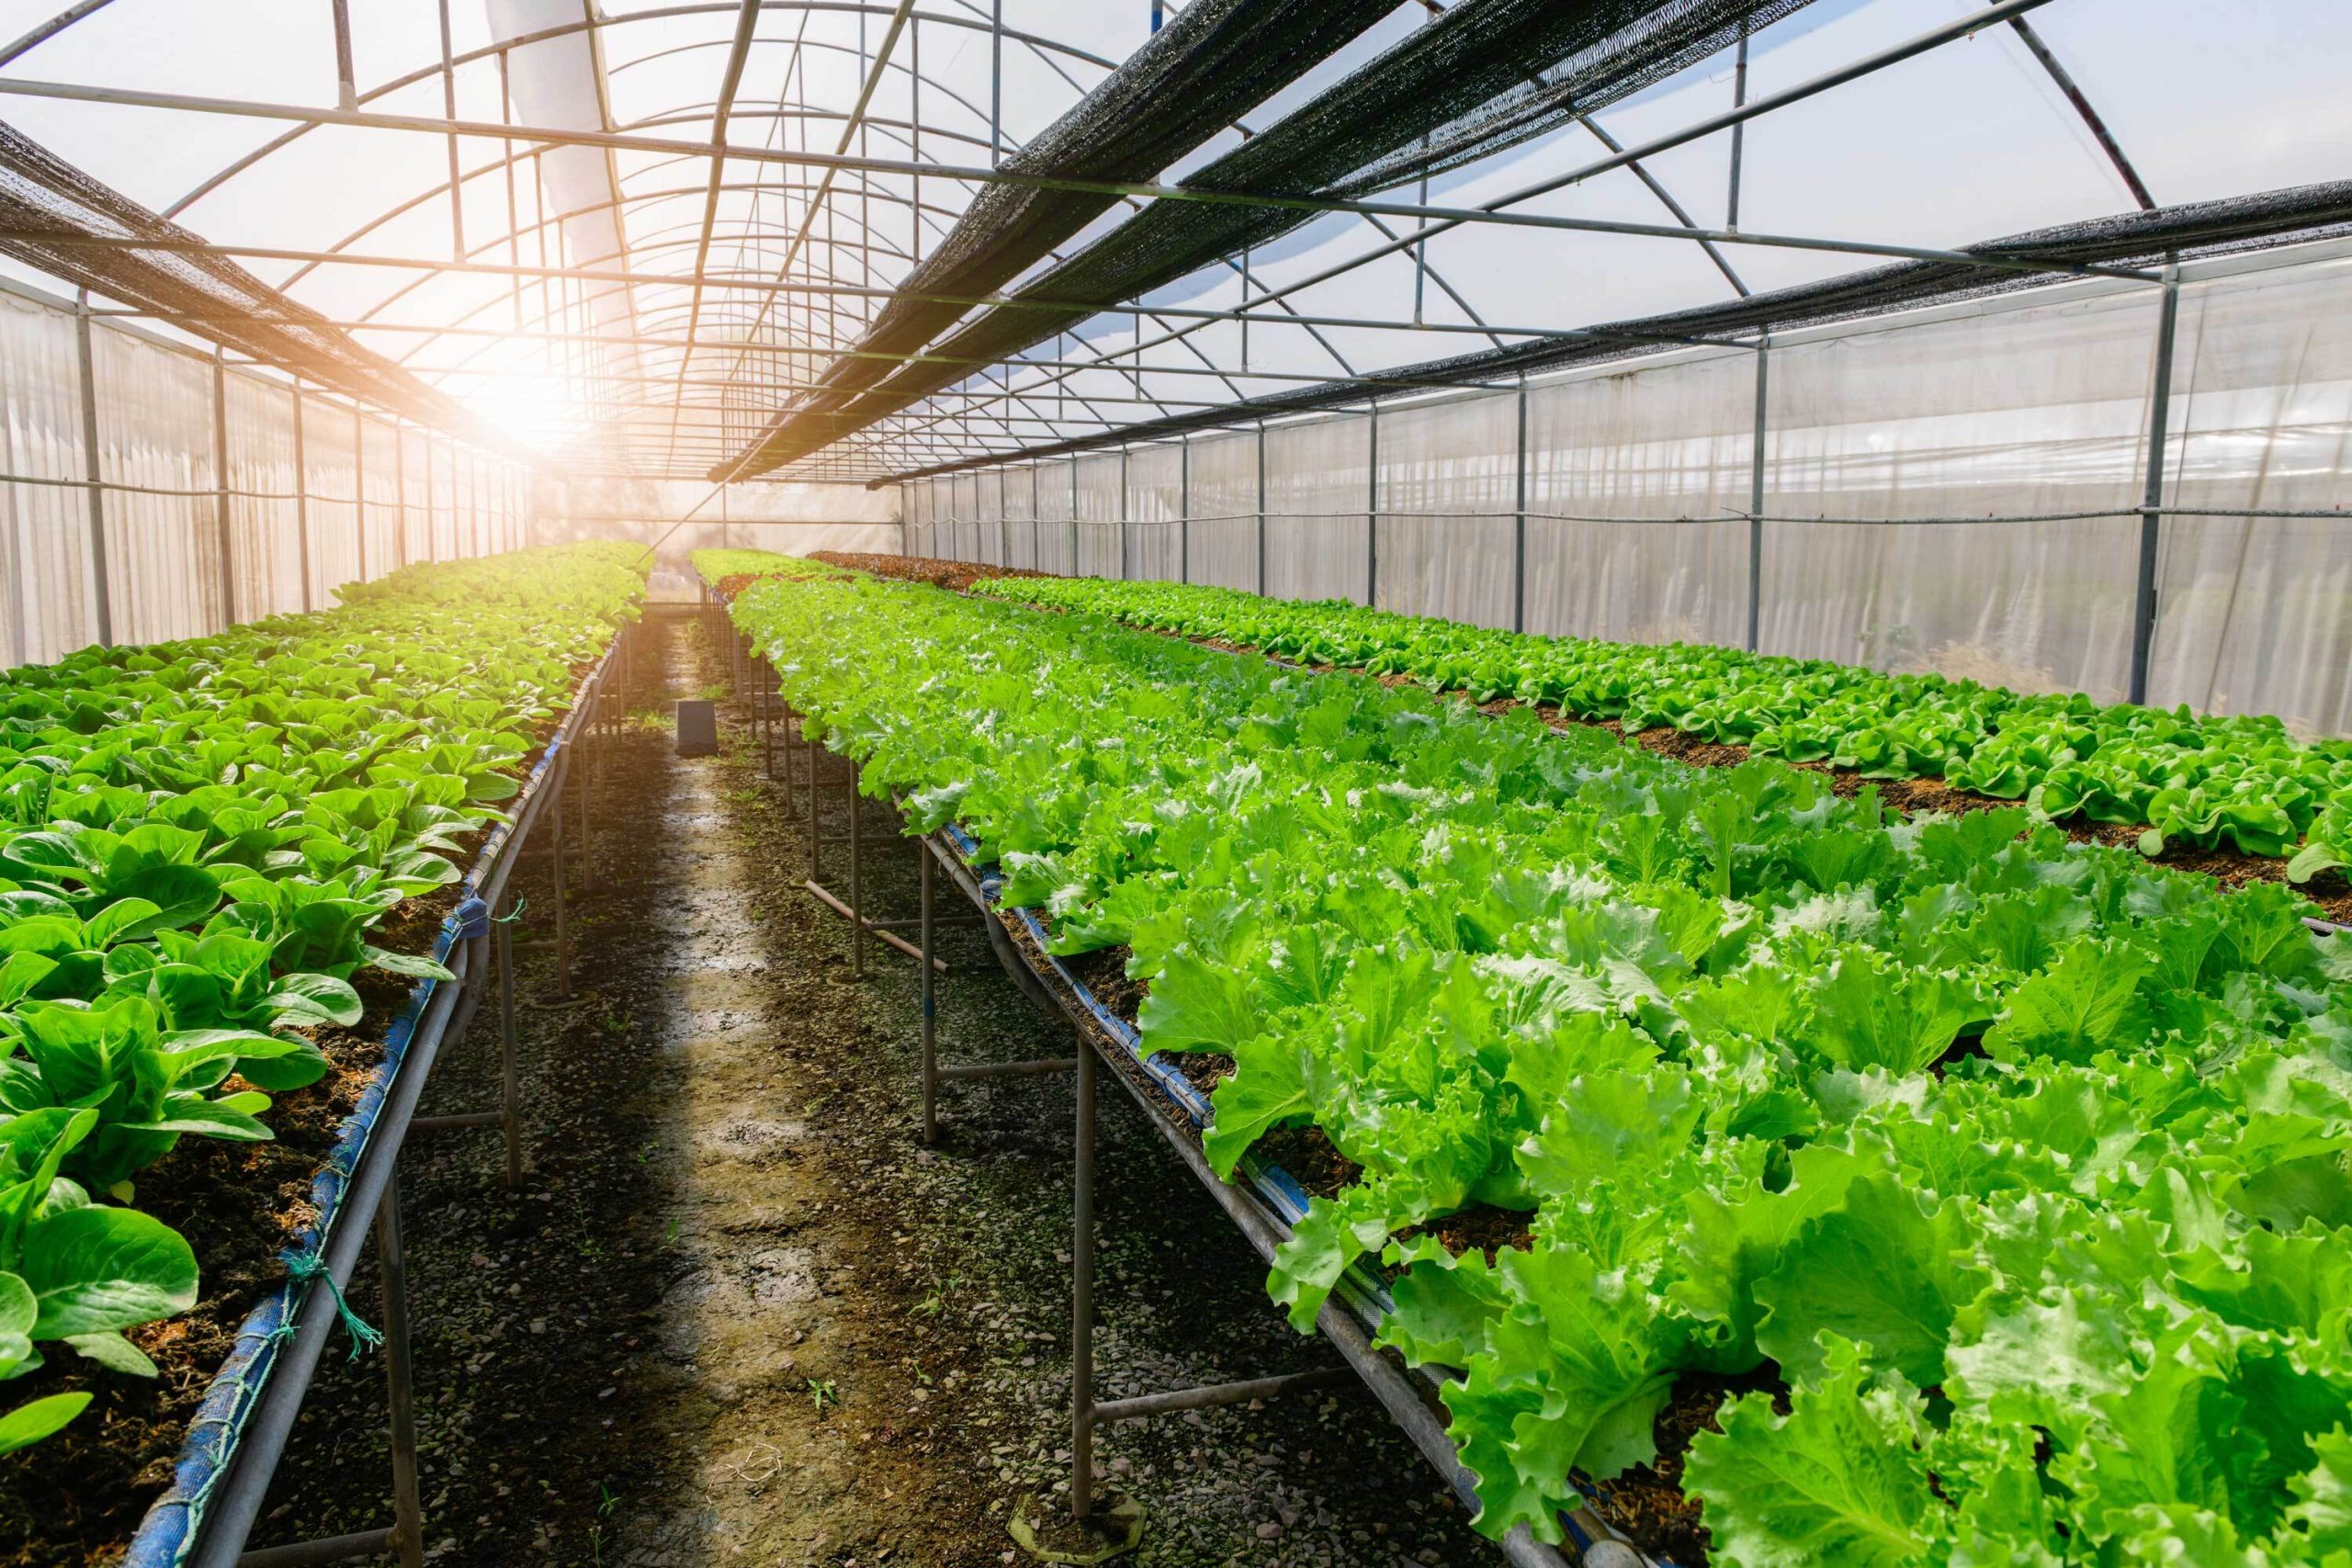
[{"x": 736, "y": 1316}]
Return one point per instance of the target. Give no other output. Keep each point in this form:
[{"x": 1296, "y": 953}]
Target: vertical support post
[
  {"x": 408, "y": 1506},
  {"x": 555, "y": 859},
  {"x": 510, "y": 1083},
  {"x": 102, "y": 601},
  {"x": 930, "y": 1002},
  {"x": 1124, "y": 508},
  {"x": 220, "y": 491},
  {"x": 399, "y": 490},
  {"x": 1371, "y": 507},
  {"x": 1519, "y": 520},
  {"x": 450, "y": 111},
  {"x": 2144, "y": 601},
  {"x": 996, "y": 83},
  {"x": 346, "y": 91},
  {"x": 1184, "y": 512},
  {"x": 1739, "y": 131},
  {"x": 1756, "y": 495},
  {"x": 856, "y": 880},
  {"x": 302, "y": 497},
  {"x": 360, "y": 486},
  {"x": 1081, "y": 1293},
  {"x": 1073, "y": 519},
  {"x": 1261, "y": 510}
]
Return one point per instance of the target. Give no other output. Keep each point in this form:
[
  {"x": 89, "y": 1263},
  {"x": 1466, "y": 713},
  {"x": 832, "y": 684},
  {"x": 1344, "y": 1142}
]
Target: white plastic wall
[{"x": 1922, "y": 481}]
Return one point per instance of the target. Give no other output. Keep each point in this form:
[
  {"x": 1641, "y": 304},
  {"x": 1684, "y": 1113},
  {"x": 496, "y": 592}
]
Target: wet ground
[{"x": 734, "y": 1314}]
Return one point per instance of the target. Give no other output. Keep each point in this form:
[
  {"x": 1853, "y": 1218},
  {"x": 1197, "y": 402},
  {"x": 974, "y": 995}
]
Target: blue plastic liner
[{"x": 169, "y": 1528}]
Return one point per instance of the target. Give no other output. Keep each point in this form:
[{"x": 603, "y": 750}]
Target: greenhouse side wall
[
  {"x": 200, "y": 519},
  {"x": 1959, "y": 489}
]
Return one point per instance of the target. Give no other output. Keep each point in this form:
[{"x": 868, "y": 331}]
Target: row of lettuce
[
  {"x": 2245, "y": 781},
  {"x": 196, "y": 840},
  {"x": 2022, "y": 1169}
]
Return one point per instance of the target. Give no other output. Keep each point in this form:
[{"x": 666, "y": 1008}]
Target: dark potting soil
[
  {"x": 76, "y": 1498},
  {"x": 1647, "y": 1502}
]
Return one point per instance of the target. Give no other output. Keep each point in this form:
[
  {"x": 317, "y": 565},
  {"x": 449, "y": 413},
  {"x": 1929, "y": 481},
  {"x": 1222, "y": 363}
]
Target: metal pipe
[
  {"x": 408, "y": 1505},
  {"x": 346, "y": 88},
  {"x": 1738, "y": 131},
  {"x": 1262, "y": 507},
  {"x": 1756, "y": 495},
  {"x": 1371, "y": 506},
  {"x": 1036, "y": 1067},
  {"x": 2143, "y": 603},
  {"x": 236, "y": 1501},
  {"x": 1183, "y": 512},
  {"x": 102, "y": 591},
  {"x": 929, "y": 1009},
  {"x": 1519, "y": 520},
  {"x": 332, "y": 1549},
  {"x": 891, "y": 939},
  {"x": 1211, "y": 1396},
  {"x": 220, "y": 483},
  {"x": 302, "y": 498},
  {"x": 449, "y": 112},
  {"x": 1081, "y": 1296}
]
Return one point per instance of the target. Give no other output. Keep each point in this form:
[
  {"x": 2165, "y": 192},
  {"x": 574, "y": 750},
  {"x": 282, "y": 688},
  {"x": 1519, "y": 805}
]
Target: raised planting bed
[
  {"x": 1930, "y": 1160},
  {"x": 295, "y": 801}
]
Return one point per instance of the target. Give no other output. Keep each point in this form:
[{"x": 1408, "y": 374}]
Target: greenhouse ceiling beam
[
  {"x": 747, "y": 20},
  {"x": 1441, "y": 219},
  {"x": 748, "y": 283},
  {"x": 822, "y": 201},
  {"x": 2090, "y": 116},
  {"x": 1047, "y": 48},
  {"x": 1739, "y": 115}
]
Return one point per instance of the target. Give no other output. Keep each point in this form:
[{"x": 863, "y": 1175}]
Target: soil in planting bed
[
  {"x": 1647, "y": 1502},
  {"x": 957, "y": 576},
  {"x": 78, "y": 1497},
  {"x": 735, "y": 1314}
]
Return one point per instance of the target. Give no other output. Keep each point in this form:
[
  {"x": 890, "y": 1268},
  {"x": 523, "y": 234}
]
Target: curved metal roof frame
[{"x": 808, "y": 225}]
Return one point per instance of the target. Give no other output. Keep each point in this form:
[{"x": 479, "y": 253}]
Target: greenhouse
[{"x": 1215, "y": 783}]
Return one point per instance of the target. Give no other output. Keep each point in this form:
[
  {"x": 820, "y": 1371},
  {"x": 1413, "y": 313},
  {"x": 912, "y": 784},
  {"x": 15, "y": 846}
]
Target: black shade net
[
  {"x": 1485, "y": 76},
  {"x": 2135, "y": 240},
  {"x": 47, "y": 204},
  {"x": 1214, "y": 62}
]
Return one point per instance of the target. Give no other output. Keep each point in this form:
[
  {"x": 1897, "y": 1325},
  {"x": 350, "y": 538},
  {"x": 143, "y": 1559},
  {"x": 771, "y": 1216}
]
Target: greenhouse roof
[{"x": 820, "y": 239}]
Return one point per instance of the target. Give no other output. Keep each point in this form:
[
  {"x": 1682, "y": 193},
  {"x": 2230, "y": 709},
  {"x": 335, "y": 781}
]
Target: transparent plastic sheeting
[
  {"x": 1638, "y": 479},
  {"x": 425, "y": 497}
]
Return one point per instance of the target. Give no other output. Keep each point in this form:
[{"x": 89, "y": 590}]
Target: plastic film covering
[
  {"x": 1155, "y": 511},
  {"x": 1448, "y": 487},
  {"x": 1317, "y": 508},
  {"x": 1480, "y": 79},
  {"x": 51, "y": 606},
  {"x": 2202, "y": 229},
  {"x": 1057, "y": 500},
  {"x": 1214, "y": 61},
  {"x": 332, "y": 503},
  {"x": 2255, "y": 614},
  {"x": 1020, "y": 517},
  {"x": 264, "y": 528},
  {"x": 1224, "y": 544},
  {"x": 2022, "y": 412},
  {"x": 380, "y": 510},
  {"x": 1100, "y": 501},
  {"x": 416, "y": 496},
  {"x": 1927, "y": 478},
  {"x": 987, "y": 543},
  {"x": 154, "y": 411},
  {"x": 1613, "y": 462}
]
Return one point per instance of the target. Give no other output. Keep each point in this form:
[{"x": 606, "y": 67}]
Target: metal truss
[{"x": 763, "y": 223}]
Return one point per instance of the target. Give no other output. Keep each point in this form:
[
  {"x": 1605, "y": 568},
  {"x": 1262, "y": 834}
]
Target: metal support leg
[
  {"x": 562, "y": 928},
  {"x": 856, "y": 881},
  {"x": 510, "y": 1078},
  {"x": 594, "y": 762},
  {"x": 407, "y": 1507},
  {"x": 1081, "y": 1296},
  {"x": 816, "y": 816},
  {"x": 930, "y": 1007}
]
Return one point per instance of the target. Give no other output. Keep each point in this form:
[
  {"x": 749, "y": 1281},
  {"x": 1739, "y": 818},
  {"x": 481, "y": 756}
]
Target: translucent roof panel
[{"x": 624, "y": 294}]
